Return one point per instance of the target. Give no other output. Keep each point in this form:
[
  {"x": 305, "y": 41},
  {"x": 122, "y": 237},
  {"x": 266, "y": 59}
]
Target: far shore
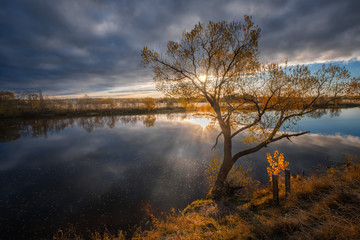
[{"x": 132, "y": 111}]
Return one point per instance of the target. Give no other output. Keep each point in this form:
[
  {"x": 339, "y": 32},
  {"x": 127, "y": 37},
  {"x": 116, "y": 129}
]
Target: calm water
[{"x": 104, "y": 171}]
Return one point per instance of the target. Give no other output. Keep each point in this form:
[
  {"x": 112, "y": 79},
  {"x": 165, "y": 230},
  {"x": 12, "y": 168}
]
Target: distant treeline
[{"x": 33, "y": 103}]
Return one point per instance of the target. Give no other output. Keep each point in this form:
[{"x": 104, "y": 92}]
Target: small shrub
[
  {"x": 277, "y": 164},
  {"x": 237, "y": 177}
]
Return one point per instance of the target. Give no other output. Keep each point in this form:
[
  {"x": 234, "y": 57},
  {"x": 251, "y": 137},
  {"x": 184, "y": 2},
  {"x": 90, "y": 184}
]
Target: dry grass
[
  {"x": 197, "y": 226},
  {"x": 319, "y": 207},
  {"x": 72, "y": 234}
]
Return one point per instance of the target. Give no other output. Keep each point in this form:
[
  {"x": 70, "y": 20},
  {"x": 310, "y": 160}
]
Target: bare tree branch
[
  {"x": 264, "y": 144},
  {"x": 216, "y": 141}
]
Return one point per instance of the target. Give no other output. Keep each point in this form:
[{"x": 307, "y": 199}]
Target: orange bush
[{"x": 277, "y": 164}]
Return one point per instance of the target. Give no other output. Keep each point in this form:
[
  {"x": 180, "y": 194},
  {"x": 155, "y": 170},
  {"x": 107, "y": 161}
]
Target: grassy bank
[
  {"x": 319, "y": 207},
  {"x": 130, "y": 111}
]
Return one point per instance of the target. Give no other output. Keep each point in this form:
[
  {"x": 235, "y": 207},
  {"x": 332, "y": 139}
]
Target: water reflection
[
  {"x": 98, "y": 171},
  {"x": 99, "y": 176},
  {"x": 149, "y": 120},
  {"x": 13, "y": 129}
]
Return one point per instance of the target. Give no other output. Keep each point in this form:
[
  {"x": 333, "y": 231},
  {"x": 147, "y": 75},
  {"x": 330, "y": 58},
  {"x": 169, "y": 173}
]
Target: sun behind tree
[{"x": 258, "y": 100}]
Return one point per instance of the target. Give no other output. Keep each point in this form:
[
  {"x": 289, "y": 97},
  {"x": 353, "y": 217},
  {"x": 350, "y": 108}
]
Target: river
[{"x": 106, "y": 171}]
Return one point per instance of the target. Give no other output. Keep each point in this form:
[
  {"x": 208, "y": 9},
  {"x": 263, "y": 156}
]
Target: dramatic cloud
[{"x": 70, "y": 47}]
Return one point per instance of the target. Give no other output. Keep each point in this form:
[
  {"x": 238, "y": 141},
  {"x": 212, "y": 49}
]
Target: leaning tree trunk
[{"x": 221, "y": 187}]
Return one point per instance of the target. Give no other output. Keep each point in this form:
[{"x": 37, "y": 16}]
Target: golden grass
[
  {"x": 72, "y": 234},
  {"x": 196, "y": 226},
  {"x": 319, "y": 207}
]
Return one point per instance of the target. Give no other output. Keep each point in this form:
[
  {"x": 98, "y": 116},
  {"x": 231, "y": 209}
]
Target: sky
[{"x": 69, "y": 48}]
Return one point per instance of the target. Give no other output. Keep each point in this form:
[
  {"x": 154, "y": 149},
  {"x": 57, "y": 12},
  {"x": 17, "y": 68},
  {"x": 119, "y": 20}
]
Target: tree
[
  {"x": 109, "y": 102},
  {"x": 8, "y": 104},
  {"x": 219, "y": 62},
  {"x": 83, "y": 102},
  {"x": 149, "y": 103}
]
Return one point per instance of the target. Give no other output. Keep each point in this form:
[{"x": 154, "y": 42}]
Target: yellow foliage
[
  {"x": 277, "y": 164},
  {"x": 149, "y": 103},
  {"x": 212, "y": 170},
  {"x": 237, "y": 175}
]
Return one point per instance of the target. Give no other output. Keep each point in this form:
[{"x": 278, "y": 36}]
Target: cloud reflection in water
[{"x": 96, "y": 171}]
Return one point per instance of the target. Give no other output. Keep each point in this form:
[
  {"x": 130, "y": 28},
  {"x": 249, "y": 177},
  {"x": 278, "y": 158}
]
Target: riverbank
[
  {"x": 319, "y": 207},
  {"x": 134, "y": 111}
]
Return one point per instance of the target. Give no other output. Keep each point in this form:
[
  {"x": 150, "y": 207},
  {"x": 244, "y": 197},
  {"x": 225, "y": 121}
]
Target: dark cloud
[
  {"x": 82, "y": 46},
  {"x": 312, "y": 31}
]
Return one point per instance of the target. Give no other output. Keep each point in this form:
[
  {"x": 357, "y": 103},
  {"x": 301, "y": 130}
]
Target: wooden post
[
  {"x": 287, "y": 182},
  {"x": 275, "y": 189}
]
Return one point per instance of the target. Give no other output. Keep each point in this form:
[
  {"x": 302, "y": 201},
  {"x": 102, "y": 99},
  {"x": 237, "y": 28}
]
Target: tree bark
[
  {"x": 227, "y": 161},
  {"x": 221, "y": 187}
]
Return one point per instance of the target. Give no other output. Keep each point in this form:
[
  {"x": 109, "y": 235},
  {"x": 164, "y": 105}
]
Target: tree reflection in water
[
  {"x": 13, "y": 129},
  {"x": 103, "y": 178}
]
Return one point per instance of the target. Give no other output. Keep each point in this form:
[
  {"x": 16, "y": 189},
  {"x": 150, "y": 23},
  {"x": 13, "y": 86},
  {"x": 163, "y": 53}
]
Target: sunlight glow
[
  {"x": 202, "y": 77},
  {"x": 202, "y": 122}
]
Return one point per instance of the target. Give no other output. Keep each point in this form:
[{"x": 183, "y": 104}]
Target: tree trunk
[{"x": 221, "y": 188}]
